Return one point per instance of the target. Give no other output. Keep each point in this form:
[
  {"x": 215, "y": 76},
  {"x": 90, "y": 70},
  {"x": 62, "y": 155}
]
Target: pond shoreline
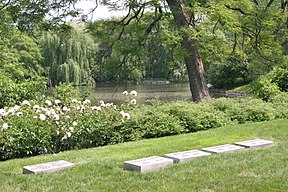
[
  {"x": 145, "y": 82},
  {"x": 112, "y": 92}
]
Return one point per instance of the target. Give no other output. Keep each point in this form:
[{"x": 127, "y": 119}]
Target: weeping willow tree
[{"x": 68, "y": 57}]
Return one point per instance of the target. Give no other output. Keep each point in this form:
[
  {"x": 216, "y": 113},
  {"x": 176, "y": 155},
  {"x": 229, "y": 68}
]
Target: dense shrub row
[{"x": 32, "y": 129}]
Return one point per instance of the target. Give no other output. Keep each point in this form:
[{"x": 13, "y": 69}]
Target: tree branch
[
  {"x": 256, "y": 2},
  {"x": 93, "y": 9},
  {"x": 136, "y": 13},
  {"x": 284, "y": 4},
  {"x": 235, "y": 43},
  {"x": 269, "y": 4},
  {"x": 5, "y": 5},
  {"x": 235, "y": 9},
  {"x": 155, "y": 21}
]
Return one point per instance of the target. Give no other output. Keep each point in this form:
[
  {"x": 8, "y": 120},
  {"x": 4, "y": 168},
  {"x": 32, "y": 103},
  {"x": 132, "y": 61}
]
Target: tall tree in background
[
  {"x": 19, "y": 64},
  {"x": 68, "y": 56},
  {"x": 243, "y": 40}
]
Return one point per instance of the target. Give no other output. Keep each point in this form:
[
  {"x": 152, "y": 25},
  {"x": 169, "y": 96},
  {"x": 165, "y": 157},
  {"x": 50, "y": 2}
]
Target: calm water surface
[{"x": 164, "y": 92}]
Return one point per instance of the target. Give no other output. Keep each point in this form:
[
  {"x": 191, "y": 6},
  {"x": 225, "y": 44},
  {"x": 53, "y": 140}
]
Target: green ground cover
[{"x": 101, "y": 169}]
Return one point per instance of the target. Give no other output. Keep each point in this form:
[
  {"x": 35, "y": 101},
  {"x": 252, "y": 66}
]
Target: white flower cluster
[
  {"x": 12, "y": 111},
  {"x": 105, "y": 105},
  {"x": 132, "y": 94},
  {"x": 56, "y": 113},
  {"x": 131, "y": 102},
  {"x": 125, "y": 116},
  {"x": 68, "y": 133},
  {"x": 5, "y": 126}
]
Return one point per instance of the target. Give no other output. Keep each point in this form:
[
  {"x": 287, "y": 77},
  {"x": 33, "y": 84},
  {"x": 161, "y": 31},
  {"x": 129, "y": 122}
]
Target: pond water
[{"x": 147, "y": 92}]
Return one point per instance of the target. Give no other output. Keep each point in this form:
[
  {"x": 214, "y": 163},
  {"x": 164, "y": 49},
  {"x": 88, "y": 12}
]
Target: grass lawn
[{"x": 101, "y": 169}]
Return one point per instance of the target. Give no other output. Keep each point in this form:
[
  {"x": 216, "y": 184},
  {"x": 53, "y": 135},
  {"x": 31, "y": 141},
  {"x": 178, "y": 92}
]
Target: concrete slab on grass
[
  {"x": 184, "y": 156},
  {"x": 147, "y": 164},
  {"x": 222, "y": 148},
  {"x": 254, "y": 143},
  {"x": 47, "y": 167}
]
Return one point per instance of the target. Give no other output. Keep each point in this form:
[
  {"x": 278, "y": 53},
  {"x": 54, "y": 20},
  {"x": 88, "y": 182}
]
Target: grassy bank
[{"x": 101, "y": 169}]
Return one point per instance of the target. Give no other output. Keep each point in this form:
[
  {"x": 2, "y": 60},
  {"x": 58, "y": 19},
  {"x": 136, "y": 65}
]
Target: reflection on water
[{"x": 163, "y": 92}]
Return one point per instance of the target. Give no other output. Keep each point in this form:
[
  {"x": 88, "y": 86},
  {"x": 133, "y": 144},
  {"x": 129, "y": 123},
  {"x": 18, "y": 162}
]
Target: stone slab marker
[
  {"x": 147, "y": 164},
  {"x": 47, "y": 167},
  {"x": 222, "y": 148},
  {"x": 254, "y": 143},
  {"x": 184, "y": 156}
]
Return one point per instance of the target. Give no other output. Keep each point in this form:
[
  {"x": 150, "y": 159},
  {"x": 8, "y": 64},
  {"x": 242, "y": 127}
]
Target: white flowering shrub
[{"x": 52, "y": 126}]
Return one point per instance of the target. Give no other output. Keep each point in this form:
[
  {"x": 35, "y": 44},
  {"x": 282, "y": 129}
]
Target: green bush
[
  {"x": 151, "y": 122},
  {"x": 265, "y": 89},
  {"x": 195, "y": 117},
  {"x": 271, "y": 84},
  {"x": 280, "y": 103},
  {"x": 244, "y": 109},
  {"x": 252, "y": 111},
  {"x": 11, "y": 92},
  {"x": 228, "y": 72},
  {"x": 280, "y": 77},
  {"x": 156, "y": 123}
]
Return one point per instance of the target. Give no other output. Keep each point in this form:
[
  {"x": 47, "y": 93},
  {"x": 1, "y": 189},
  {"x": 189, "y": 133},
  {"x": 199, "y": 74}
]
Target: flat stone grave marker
[
  {"x": 47, "y": 167},
  {"x": 222, "y": 148},
  {"x": 254, "y": 143},
  {"x": 147, "y": 164},
  {"x": 183, "y": 156}
]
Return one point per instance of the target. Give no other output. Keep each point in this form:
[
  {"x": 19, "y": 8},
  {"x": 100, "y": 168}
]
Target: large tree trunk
[{"x": 194, "y": 65}]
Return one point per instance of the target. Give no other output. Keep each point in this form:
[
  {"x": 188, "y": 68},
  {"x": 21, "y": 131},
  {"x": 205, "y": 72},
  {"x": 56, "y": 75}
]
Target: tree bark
[{"x": 194, "y": 65}]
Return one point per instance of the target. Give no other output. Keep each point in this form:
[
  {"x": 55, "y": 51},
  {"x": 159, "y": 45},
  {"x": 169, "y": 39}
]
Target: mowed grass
[{"x": 101, "y": 169}]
